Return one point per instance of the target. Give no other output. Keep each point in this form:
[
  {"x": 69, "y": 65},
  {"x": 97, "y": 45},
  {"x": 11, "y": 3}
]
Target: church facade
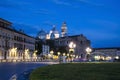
[
  {"x": 60, "y": 41},
  {"x": 80, "y": 43}
]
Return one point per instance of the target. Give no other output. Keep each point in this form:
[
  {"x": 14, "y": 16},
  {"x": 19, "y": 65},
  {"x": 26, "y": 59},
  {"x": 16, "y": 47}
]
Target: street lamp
[
  {"x": 13, "y": 53},
  {"x": 58, "y": 53},
  {"x": 51, "y": 53},
  {"x": 72, "y": 46},
  {"x": 27, "y": 56},
  {"x": 76, "y": 56},
  {"x": 117, "y": 57},
  {"x": 68, "y": 54},
  {"x": 63, "y": 54},
  {"x": 88, "y": 50},
  {"x": 35, "y": 55},
  {"x": 73, "y": 56},
  {"x": 64, "y": 58},
  {"x": 68, "y": 57}
]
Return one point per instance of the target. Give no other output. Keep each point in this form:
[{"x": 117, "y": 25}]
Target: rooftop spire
[{"x": 64, "y": 29}]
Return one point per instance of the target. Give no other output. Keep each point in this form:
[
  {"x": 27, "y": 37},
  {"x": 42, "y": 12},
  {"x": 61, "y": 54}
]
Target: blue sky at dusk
[{"x": 98, "y": 20}]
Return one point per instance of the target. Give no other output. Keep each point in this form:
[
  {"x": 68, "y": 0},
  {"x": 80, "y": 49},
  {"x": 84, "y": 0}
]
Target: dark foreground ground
[
  {"x": 78, "y": 71},
  {"x": 20, "y": 69}
]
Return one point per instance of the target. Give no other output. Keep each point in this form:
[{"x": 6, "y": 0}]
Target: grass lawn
[{"x": 78, "y": 71}]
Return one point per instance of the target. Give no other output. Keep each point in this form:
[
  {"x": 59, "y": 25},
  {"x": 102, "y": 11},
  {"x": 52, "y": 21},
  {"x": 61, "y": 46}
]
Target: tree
[{"x": 62, "y": 49}]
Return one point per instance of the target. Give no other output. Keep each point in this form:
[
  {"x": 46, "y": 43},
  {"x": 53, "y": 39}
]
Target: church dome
[
  {"x": 56, "y": 32},
  {"x": 41, "y": 34}
]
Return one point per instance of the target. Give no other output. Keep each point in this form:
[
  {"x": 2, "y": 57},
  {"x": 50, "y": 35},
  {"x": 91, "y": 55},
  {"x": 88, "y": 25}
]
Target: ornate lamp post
[
  {"x": 88, "y": 50},
  {"x": 51, "y": 53},
  {"x": 58, "y": 53},
  {"x": 34, "y": 55},
  {"x": 68, "y": 57},
  {"x": 26, "y": 54},
  {"x": 63, "y": 54},
  {"x": 72, "y": 46},
  {"x": 117, "y": 57},
  {"x": 67, "y": 54},
  {"x": 13, "y": 53},
  {"x": 64, "y": 58}
]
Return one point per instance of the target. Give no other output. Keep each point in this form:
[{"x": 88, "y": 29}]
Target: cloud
[
  {"x": 106, "y": 24},
  {"x": 90, "y": 2},
  {"x": 102, "y": 38},
  {"x": 99, "y": 35},
  {"x": 7, "y": 4},
  {"x": 23, "y": 5},
  {"x": 40, "y": 11},
  {"x": 60, "y": 2},
  {"x": 48, "y": 23},
  {"x": 76, "y": 3},
  {"x": 68, "y": 3},
  {"x": 14, "y": 4}
]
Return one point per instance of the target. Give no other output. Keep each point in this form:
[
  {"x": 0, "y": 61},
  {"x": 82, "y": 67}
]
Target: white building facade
[
  {"x": 105, "y": 54},
  {"x": 45, "y": 49},
  {"x": 14, "y": 44}
]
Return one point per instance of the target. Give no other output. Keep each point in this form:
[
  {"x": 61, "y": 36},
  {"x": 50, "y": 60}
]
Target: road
[{"x": 9, "y": 69}]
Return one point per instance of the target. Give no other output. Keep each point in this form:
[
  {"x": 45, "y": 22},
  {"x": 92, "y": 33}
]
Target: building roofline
[
  {"x": 76, "y": 35},
  {"x": 71, "y": 36},
  {"x": 6, "y": 20},
  {"x": 9, "y": 28},
  {"x": 107, "y": 48},
  {"x": 16, "y": 31}
]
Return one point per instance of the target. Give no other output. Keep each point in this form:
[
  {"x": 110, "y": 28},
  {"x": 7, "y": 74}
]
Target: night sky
[{"x": 98, "y": 20}]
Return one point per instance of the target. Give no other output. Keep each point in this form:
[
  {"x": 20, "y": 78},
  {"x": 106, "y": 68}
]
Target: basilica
[
  {"x": 59, "y": 42},
  {"x": 53, "y": 33}
]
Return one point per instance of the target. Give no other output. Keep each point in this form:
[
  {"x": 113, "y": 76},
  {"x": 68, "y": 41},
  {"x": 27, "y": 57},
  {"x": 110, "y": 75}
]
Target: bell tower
[{"x": 64, "y": 29}]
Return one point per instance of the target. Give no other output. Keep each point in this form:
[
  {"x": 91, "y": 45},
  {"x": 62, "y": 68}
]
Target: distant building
[
  {"x": 45, "y": 49},
  {"x": 53, "y": 33},
  {"x": 41, "y": 46},
  {"x": 80, "y": 41},
  {"x": 43, "y": 39},
  {"x": 14, "y": 44},
  {"x": 105, "y": 53}
]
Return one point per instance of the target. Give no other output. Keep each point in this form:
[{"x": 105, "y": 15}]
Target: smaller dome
[
  {"x": 41, "y": 34},
  {"x": 56, "y": 32}
]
